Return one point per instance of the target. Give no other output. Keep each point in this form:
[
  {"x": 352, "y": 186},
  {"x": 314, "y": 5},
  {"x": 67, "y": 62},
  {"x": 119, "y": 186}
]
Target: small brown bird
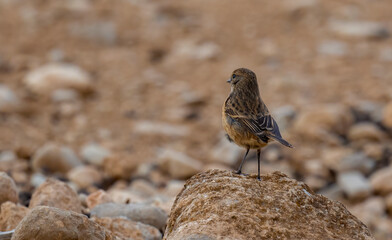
[{"x": 246, "y": 118}]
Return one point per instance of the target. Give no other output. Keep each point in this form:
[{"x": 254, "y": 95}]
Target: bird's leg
[
  {"x": 243, "y": 160},
  {"x": 258, "y": 164}
]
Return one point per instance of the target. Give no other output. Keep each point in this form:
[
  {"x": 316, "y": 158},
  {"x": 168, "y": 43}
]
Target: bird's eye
[{"x": 233, "y": 76}]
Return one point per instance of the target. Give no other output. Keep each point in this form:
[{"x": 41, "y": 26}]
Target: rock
[
  {"x": 55, "y": 159},
  {"x": 10, "y": 215},
  {"x": 160, "y": 128},
  {"x": 225, "y": 152},
  {"x": 366, "y": 132},
  {"x": 387, "y": 115},
  {"x": 8, "y": 189},
  {"x": 94, "y": 153},
  {"x": 220, "y": 204},
  {"x": 49, "y": 223},
  {"x": 120, "y": 165},
  {"x": 356, "y": 161},
  {"x": 55, "y": 193},
  {"x": 358, "y": 29},
  {"x": 9, "y": 102},
  {"x": 45, "y": 79},
  {"x": 138, "y": 212},
  {"x": 98, "y": 197},
  {"x": 98, "y": 31},
  {"x": 332, "y": 48},
  {"x": 85, "y": 176},
  {"x": 381, "y": 180},
  {"x": 318, "y": 122},
  {"x": 354, "y": 184},
  {"x": 178, "y": 165},
  {"x": 127, "y": 229}
]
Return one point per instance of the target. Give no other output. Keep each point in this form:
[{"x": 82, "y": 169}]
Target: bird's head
[{"x": 243, "y": 78}]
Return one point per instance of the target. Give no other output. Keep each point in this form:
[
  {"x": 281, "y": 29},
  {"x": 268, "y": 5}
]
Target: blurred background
[{"x": 126, "y": 95}]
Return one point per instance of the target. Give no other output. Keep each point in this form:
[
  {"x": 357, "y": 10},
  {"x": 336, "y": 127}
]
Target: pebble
[
  {"x": 94, "y": 154},
  {"x": 357, "y": 161},
  {"x": 127, "y": 229},
  {"x": 9, "y": 102},
  {"x": 319, "y": 122},
  {"x": 354, "y": 184},
  {"x": 55, "y": 159},
  {"x": 138, "y": 212},
  {"x": 37, "y": 179},
  {"x": 358, "y": 29},
  {"x": 178, "y": 165},
  {"x": 173, "y": 188},
  {"x": 55, "y": 193},
  {"x": 370, "y": 210},
  {"x": 50, "y": 223},
  {"x": 120, "y": 166},
  {"x": 10, "y": 215},
  {"x": 98, "y": 197},
  {"x": 225, "y": 152},
  {"x": 160, "y": 128},
  {"x": 45, "y": 79},
  {"x": 85, "y": 176},
  {"x": 386, "y": 54},
  {"x": 332, "y": 48},
  {"x": 191, "y": 50},
  {"x": 387, "y": 115},
  {"x": 368, "y": 111},
  {"x": 8, "y": 189},
  {"x": 284, "y": 116},
  {"x": 142, "y": 188},
  {"x": 64, "y": 95},
  {"x": 365, "y": 131},
  {"x": 104, "y": 32},
  {"x": 381, "y": 180}
]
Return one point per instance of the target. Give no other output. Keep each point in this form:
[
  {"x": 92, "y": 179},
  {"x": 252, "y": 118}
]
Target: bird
[{"x": 246, "y": 118}]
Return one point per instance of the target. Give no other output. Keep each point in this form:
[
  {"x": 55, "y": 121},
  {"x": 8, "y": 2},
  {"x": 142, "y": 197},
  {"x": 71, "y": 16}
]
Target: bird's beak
[{"x": 229, "y": 80}]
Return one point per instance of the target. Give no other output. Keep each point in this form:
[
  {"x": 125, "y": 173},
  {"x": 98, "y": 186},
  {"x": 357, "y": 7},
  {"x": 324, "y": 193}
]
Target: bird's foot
[{"x": 258, "y": 178}]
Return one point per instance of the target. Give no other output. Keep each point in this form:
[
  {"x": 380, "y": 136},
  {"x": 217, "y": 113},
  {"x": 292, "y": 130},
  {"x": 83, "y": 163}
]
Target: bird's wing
[{"x": 261, "y": 125}]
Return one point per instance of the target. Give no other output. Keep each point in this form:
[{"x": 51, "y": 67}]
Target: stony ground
[{"x": 125, "y": 96}]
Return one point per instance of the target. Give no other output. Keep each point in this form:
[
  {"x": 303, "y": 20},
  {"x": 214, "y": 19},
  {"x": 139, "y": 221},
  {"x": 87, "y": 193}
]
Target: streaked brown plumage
[{"x": 246, "y": 118}]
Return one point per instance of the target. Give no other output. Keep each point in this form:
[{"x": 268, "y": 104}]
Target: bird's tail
[{"x": 281, "y": 140}]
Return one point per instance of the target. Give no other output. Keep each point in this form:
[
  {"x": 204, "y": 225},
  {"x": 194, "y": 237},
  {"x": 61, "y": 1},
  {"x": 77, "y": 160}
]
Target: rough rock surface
[
  {"x": 8, "y": 190},
  {"x": 58, "y": 194},
  {"x": 49, "y": 223},
  {"x": 126, "y": 229},
  {"x": 222, "y": 205},
  {"x": 10, "y": 215}
]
